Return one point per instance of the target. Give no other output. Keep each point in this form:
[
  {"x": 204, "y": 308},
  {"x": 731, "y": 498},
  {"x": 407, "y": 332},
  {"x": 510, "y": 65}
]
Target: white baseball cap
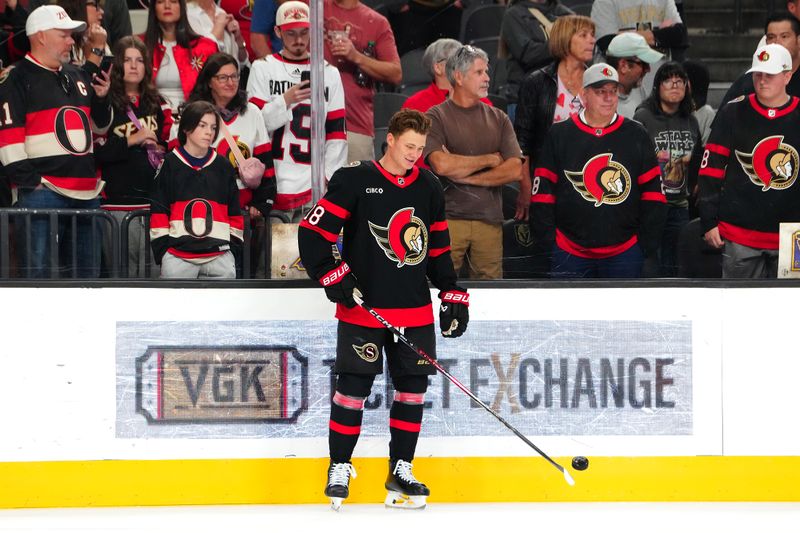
[
  {"x": 600, "y": 74},
  {"x": 631, "y": 44},
  {"x": 291, "y": 15},
  {"x": 771, "y": 59},
  {"x": 51, "y": 17}
]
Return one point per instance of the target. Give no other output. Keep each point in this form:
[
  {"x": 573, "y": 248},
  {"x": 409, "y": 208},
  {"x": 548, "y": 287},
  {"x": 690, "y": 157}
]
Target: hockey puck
[{"x": 580, "y": 462}]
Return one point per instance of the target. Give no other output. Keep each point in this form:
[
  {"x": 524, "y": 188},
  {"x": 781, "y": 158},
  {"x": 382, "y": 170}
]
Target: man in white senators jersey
[
  {"x": 395, "y": 239},
  {"x": 749, "y": 169},
  {"x": 49, "y": 110},
  {"x": 275, "y": 86}
]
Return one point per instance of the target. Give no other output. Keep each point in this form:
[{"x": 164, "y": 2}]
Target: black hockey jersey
[
  {"x": 125, "y": 169},
  {"x": 748, "y": 172},
  {"x": 597, "y": 191},
  {"x": 45, "y": 127},
  {"x": 395, "y": 236},
  {"x": 195, "y": 210}
]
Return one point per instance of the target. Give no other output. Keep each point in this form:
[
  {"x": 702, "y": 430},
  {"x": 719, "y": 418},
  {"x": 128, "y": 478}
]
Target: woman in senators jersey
[{"x": 130, "y": 152}]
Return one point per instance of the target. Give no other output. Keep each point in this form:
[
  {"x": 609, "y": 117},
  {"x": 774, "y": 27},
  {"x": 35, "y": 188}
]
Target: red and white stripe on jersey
[
  {"x": 326, "y": 219},
  {"x": 715, "y": 161},
  {"x": 653, "y": 194}
]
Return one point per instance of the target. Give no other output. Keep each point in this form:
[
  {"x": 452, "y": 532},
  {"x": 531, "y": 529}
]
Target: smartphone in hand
[{"x": 306, "y": 76}]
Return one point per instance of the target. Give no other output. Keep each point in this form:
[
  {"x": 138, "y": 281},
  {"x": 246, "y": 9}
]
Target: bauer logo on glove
[
  {"x": 339, "y": 285},
  {"x": 454, "y": 312}
]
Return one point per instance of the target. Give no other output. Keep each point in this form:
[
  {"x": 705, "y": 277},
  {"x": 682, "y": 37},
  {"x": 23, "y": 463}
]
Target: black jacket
[{"x": 537, "y": 105}]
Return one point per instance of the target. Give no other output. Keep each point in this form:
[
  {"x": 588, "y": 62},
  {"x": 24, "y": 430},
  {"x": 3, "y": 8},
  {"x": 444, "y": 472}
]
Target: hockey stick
[{"x": 396, "y": 332}]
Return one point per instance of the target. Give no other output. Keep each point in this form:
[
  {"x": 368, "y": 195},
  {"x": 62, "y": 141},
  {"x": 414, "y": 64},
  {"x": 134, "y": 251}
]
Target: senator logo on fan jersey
[
  {"x": 404, "y": 240},
  {"x": 772, "y": 164},
  {"x": 602, "y": 181}
]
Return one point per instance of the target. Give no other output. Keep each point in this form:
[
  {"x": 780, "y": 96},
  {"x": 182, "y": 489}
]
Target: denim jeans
[
  {"x": 628, "y": 264},
  {"x": 677, "y": 218},
  {"x": 87, "y": 242}
]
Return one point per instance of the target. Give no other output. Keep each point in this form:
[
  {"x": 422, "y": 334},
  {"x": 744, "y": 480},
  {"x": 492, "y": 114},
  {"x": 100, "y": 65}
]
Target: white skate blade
[
  {"x": 336, "y": 503},
  {"x": 396, "y": 500}
]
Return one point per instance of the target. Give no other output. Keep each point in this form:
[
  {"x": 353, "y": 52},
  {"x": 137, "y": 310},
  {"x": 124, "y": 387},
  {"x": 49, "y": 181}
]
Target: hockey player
[
  {"x": 597, "y": 202},
  {"x": 275, "y": 86},
  {"x": 395, "y": 236},
  {"x": 749, "y": 168}
]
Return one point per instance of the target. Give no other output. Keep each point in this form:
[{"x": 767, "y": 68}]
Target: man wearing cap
[
  {"x": 596, "y": 203},
  {"x": 783, "y": 29},
  {"x": 749, "y": 169},
  {"x": 630, "y": 55},
  {"x": 275, "y": 86},
  {"x": 49, "y": 111}
]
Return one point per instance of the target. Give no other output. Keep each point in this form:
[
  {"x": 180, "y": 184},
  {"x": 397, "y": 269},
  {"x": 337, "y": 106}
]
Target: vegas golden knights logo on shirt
[
  {"x": 602, "y": 181},
  {"x": 404, "y": 240},
  {"x": 242, "y": 148},
  {"x": 771, "y": 165}
]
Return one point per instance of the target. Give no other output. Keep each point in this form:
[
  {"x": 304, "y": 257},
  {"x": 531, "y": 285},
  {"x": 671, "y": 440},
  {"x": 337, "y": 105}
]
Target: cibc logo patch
[{"x": 216, "y": 384}]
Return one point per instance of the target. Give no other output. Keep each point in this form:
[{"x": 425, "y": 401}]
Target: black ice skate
[
  {"x": 338, "y": 487},
  {"x": 405, "y": 492}
]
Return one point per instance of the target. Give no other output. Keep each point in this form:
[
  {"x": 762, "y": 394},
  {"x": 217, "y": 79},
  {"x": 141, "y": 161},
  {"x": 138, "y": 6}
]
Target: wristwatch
[{"x": 99, "y": 52}]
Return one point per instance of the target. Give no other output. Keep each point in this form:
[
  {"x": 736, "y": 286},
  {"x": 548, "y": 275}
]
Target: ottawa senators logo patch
[
  {"x": 772, "y": 164},
  {"x": 602, "y": 181},
  {"x": 404, "y": 240},
  {"x": 369, "y": 352}
]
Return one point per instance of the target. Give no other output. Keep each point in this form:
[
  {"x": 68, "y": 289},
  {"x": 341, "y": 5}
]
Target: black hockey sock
[
  {"x": 347, "y": 411},
  {"x": 405, "y": 419}
]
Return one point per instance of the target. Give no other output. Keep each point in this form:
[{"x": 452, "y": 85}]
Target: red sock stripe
[
  {"x": 409, "y": 397},
  {"x": 404, "y": 426},
  {"x": 344, "y": 430},
  {"x": 348, "y": 401}
]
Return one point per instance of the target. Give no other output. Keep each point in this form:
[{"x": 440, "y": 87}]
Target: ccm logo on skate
[
  {"x": 182, "y": 385},
  {"x": 335, "y": 275},
  {"x": 374, "y": 190}
]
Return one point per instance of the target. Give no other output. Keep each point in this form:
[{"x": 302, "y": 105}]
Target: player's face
[
  {"x": 134, "y": 66},
  {"x": 771, "y": 88},
  {"x": 59, "y": 45},
  {"x": 475, "y": 81},
  {"x": 781, "y": 33},
  {"x": 224, "y": 84},
  {"x": 581, "y": 45},
  {"x": 168, "y": 11},
  {"x": 295, "y": 42},
  {"x": 203, "y": 135},
  {"x": 405, "y": 149},
  {"x": 601, "y": 101}
]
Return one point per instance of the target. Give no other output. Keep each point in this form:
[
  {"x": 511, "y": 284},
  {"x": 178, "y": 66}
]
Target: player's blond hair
[{"x": 409, "y": 119}]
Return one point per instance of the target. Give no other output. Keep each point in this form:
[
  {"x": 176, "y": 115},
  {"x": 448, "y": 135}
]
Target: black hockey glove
[
  {"x": 454, "y": 312},
  {"x": 339, "y": 284}
]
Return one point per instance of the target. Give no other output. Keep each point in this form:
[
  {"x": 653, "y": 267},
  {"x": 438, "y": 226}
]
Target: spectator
[
  {"x": 52, "y": 165},
  {"x": 242, "y": 11},
  {"x": 218, "y": 83},
  {"x": 275, "y": 86},
  {"x": 116, "y": 17},
  {"x": 90, "y": 44},
  {"x": 783, "y": 29},
  {"x": 667, "y": 116},
  {"x": 524, "y": 40},
  {"x": 15, "y": 43},
  {"x": 263, "y": 39},
  {"x": 698, "y": 81},
  {"x": 433, "y": 61},
  {"x": 210, "y": 20},
  {"x": 750, "y": 165},
  {"x": 128, "y": 155},
  {"x": 360, "y": 43},
  {"x": 473, "y": 167},
  {"x": 178, "y": 52},
  {"x": 597, "y": 200},
  {"x": 551, "y": 94},
  {"x": 190, "y": 237},
  {"x": 420, "y": 22},
  {"x": 658, "y": 21},
  {"x": 630, "y": 55}
]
